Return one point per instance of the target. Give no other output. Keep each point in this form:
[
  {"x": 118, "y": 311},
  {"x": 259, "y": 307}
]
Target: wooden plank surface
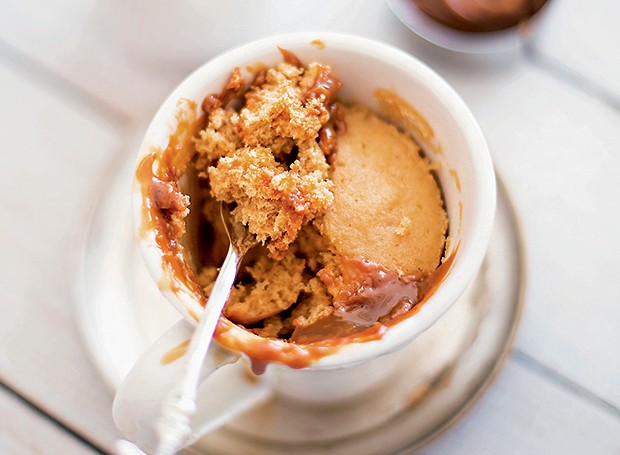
[
  {"x": 523, "y": 413},
  {"x": 557, "y": 148},
  {"x": 25, "y": 431},
  {"x": 132, "y": 72},
  {"x": 66, "y": 93},
  {"x": 53, "y": 154},
  {"x": 581, "y": 40}
]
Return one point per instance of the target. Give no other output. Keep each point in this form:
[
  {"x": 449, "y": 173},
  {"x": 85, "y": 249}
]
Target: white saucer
[{"x": 120, "y": 312}]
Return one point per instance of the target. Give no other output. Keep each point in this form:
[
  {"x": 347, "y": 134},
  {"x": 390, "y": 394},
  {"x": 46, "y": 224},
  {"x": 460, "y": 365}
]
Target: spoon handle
[{"x": 173, "y": 425}]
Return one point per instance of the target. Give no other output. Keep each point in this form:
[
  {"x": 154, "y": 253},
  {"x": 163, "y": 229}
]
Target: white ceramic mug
[{"x": 344, "y": 371}]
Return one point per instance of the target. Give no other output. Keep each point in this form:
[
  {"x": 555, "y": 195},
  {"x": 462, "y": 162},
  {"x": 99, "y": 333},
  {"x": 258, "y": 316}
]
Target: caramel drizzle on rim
[
  {"x": 398, "y": 110},
  {"x": 157, "y": 177}
]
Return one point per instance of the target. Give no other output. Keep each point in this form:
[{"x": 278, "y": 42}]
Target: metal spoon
[{"x": 173, "y": 425}]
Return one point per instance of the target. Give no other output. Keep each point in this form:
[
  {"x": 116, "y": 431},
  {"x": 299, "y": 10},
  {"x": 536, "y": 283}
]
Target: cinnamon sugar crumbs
[{"x": 403, "y": 226}]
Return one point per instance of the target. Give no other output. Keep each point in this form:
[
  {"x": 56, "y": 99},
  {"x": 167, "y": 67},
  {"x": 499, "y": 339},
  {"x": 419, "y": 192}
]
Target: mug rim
[{"x": 470, "y": 254}]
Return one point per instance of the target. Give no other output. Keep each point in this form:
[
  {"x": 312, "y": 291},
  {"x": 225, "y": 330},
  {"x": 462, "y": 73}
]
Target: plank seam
[
  {"x": 44, "y": 75},
  {"x": 39, "y": 411},
  {"x": 564, "y": 382}
]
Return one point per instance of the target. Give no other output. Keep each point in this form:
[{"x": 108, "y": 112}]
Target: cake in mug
[{"x": 349, "y": 219}]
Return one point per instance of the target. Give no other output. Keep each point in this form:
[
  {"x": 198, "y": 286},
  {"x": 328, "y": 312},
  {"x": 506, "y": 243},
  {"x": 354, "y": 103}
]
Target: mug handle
[{"x": 227, "y": 388}]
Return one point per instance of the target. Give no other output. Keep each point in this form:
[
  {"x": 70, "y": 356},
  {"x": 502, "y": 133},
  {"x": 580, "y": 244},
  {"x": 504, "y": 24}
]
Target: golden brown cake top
[{"x": 387, "y": 205}]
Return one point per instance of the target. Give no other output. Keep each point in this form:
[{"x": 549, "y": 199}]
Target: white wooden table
[{"x": 72, "y": 89}]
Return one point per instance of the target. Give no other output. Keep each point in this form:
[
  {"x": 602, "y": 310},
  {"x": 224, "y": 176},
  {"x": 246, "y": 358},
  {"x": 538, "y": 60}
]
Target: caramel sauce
[
  {"x": 398, "y": 110},
  {"x": 175, "y": 353},
  {"x": 290, "y": 58},
  {"x": 325, "y": 338},
  {"x": 327, "y": 140},
  {"x": 370, "y": 294},
  {"x": 157, "y": 174},
  {"x": 232, "y": 89},
  {"x": 318, "y": 43},
  {"x": 166, "y": 196},
  {"x": 455, "y": 177},
  {"x": 256, "y": 68},
  {"x": 263, "y": 351},
  {"x": 337, "y": 118},
  {"x": 327, "y": 134},
  {"x": 259, "y": 78},
  {"x": 430, "y": 285},
  {"x": 325, "y": 87}
]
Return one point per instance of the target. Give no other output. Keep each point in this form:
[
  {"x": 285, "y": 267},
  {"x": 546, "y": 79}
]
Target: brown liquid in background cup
[{"x": 480, "y": 15}]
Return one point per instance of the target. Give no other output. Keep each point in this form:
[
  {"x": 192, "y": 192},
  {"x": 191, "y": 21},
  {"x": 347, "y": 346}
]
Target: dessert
[{"x": 349, "y": 218}]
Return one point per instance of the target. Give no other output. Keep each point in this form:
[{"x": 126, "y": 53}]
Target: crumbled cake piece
[
  {"x": 277, "y": 108},
  {"x": 273, "y": 202},
  {"x": 273, "y": 327},
  {"x": 317, "y": 305},
  {"x": 172, "y": 203},
  {"x": 219, "y": 138},
  {"x": 275, "y": 286},
  {"x": 266, "y": 157}
]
